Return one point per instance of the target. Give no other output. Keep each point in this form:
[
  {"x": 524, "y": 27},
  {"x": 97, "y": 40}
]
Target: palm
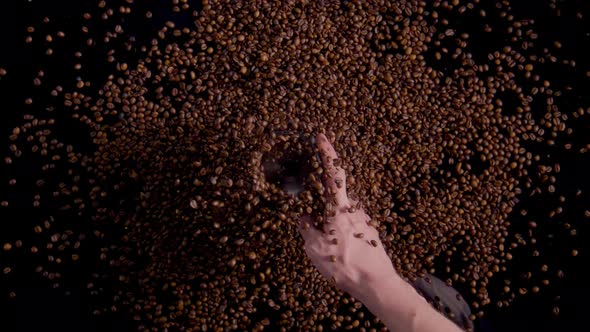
[{"x": 349, "y": 251}]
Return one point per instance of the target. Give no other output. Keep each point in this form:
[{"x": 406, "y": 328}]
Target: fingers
[
  {"x": 366, "y": 217},
  {"x": 335, "y": 183},
  {"x": 327, "y": 151},
  {"x": 335, "y": 177}
]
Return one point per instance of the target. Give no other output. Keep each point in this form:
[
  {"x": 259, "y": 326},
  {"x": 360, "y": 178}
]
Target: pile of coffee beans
[{"x": 172, "y": 189}]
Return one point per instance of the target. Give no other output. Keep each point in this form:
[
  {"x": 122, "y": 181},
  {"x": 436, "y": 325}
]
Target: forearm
[{"x": 402, "y": 309}]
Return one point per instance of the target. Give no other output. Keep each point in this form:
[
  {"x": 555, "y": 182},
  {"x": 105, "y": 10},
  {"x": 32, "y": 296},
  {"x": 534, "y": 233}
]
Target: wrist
[
  {"x": 395, "y": 302},
  {"x": 401, "y": 308},
  {"x": 377, "y": 286}
]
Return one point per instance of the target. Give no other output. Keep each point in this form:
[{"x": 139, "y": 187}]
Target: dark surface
[{"x": 38, "y": 307}]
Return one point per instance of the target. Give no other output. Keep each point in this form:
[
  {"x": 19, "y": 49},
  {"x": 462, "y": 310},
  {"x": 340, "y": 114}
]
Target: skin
[{"x": 358, "y": 267}]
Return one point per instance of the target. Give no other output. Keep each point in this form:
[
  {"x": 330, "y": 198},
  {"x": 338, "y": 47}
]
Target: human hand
[{"x": 349, "y": 251}]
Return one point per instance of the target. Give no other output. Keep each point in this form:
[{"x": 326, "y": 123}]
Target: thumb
[{"x": 307, "y": 231}]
